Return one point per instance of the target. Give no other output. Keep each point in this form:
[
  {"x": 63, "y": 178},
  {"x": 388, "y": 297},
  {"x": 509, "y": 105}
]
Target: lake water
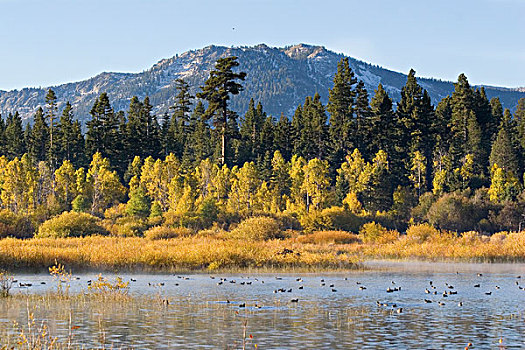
[{"x": 202, "y": 314}]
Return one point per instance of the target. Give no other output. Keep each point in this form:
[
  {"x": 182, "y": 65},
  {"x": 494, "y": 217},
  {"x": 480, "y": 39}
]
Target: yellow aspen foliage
[
  {"x": 418, "y": 172},
  {"x": 297, "y": 201},
  {"x": 316, "y": 184},
  {"x": 65, "y": 183},
  {"x": 244, "y": 185},
  {"x": 104, "y": 184}
]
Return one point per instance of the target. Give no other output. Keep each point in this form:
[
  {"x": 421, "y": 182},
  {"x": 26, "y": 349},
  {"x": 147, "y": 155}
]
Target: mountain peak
[{"x": 303, "y": 51}]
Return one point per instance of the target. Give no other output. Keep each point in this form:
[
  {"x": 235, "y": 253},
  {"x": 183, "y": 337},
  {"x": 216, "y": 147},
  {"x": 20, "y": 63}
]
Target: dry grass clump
[
  {"x": 71, "y": 224},
  {"x": 372, "y": 232},
  {"x": 213, "y": 232},
  {"x": 498, "y": 237},
  {"x": 328, "y": 237},
  {"x": 257, "y": 229},
  {"x": 164, "y": 232},
  {"x": 421, "y": 233}
]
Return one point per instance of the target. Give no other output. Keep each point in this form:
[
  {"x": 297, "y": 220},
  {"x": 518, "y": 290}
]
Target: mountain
[{"x": 280, "y": 78}]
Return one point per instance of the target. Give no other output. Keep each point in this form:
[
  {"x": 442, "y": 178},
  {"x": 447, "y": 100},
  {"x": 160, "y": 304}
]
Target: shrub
[
  {"x": 164, "y": 232},
  {"x": 80, "y": 204},
  {"x": 155, "y": 210},
  {"x": 470, "y": 237},
  {"x": 208, "y": 212},
  {"x": 421, "y": 233},
  {"x": 71, "y": 224},
  {"x": 215, "y": 231},
  {"x": 455, "y": 212},
  {"x": 127, "y": 227},
  {"x": 115, "y": 212},
  {"x": 498, "y": 237},
  {"x": 375, "y": 233},
  {"x": 14, "y": 225},
  {"x": 257, "y": 228},
  {"x": 138, "y": 204},
  {"x": 321, "y": 237},
  {"x": 334, "y": 218}
]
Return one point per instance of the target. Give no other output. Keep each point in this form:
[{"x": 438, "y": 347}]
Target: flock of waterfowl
[{"x": 297, "y": 289}]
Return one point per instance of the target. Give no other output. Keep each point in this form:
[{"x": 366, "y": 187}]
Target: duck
[
  {"x": 295, "y": 300},
  {"x": 488, "y": 293},
  {"x": 428, "y": 301},
  {"x": 477, "y": 285}
]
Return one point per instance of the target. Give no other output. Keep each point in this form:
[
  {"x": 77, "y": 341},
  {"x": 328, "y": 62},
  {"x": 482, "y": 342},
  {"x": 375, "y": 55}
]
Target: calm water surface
[{"x": 202, "y": 314}]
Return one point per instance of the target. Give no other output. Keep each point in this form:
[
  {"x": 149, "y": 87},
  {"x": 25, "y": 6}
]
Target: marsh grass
[
  {"x": 180, "y": 254},
  {"x": 324, "y": 250},
  {"x": 449, "y": 246}
]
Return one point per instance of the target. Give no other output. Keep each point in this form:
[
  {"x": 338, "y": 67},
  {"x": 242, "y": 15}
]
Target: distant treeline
[{"x": 458, "y": 165}]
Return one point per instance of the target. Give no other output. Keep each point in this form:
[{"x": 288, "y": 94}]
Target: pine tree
[
  {"x": 216, "y": 91},
  {"x": 466, "y": 135},
  {"x": 341, "y": 102},
  {"x": 69, "y": 138},
  {"x": 504, "y": 152},
  {"x": 519, "y": 116},
  {"x": 14, "y": 137},
  {"x": 415, "y": 115},
  {"x": 283, "y": 137},
  {"x": 384, "y": 134},
  {"x": 2, "y": 136},
  {"x": 52, "y": 113},
  {"x": 104, "y": 132},
  {"x": 361, "y": 128},
  {"x": 39, "y": 137}
]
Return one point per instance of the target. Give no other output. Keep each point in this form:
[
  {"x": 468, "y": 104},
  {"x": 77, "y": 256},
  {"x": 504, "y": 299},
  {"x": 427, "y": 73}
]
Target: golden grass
[
  {"x": 323, "y": 250},
  {"x": 185, "y": 253},
  {"x": 470, "y": 246},
  {"x": 333, "y": 237}
]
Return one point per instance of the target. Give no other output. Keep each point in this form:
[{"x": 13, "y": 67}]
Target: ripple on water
[{"x": 198, "y": 315}]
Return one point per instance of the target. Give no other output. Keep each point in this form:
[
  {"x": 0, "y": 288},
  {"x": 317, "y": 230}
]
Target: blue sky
[{"x": 50, "y": 42}]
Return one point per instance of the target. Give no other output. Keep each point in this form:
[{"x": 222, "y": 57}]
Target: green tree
[
  {"x": 52, "y": 113},
  {"x": 69, "y": 140},
  {"x": 138, "y": 204},
  {"x": 39, "y": 137},
  {"x": 216, "y": 91},
  {"x": 341, "y": 101},
  {"x": 504, "y": 152},
  {"x": 14, "y": 137}
]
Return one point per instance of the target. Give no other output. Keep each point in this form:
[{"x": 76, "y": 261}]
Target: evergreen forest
[{"x": 458, "y": 166}]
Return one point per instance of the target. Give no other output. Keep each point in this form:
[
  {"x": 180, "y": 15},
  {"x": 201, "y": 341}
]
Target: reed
[{"x": 183, "y": 253}]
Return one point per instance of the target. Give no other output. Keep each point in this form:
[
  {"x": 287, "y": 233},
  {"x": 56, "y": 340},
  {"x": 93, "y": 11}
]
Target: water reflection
[{"x": 202, "y": 314}]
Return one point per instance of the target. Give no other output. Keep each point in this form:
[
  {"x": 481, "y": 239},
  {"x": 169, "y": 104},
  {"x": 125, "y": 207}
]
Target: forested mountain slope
[{"x": 280, "y": 78}]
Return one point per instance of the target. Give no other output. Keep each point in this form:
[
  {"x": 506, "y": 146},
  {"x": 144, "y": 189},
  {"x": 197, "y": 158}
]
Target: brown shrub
[
  {"x": 375, "y": 233},
  {"x": 257, "y": 229},
  {"x": 335, "y": 237},
  {"x": 71, "y": 224},
  {"x": 421, "y": 233}
]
